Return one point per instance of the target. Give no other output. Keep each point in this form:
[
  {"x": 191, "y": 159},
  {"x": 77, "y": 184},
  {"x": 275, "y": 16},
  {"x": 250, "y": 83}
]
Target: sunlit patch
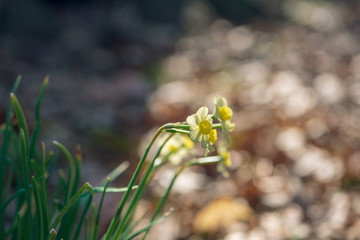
[{"x": 329, "y": 87}]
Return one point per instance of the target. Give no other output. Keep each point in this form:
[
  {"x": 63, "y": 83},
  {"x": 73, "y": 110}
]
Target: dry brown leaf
[{"x": 220, "y": 213}]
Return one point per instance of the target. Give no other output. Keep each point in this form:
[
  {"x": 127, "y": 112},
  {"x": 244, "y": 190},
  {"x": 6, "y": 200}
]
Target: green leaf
[
  {"x": 112, "y": 190},
  {"x": 99, "y": 209},
  {"x": 36, "y": 168},
  {"x": 3, "y": 153},
  {"x": 8, "y": 201},
  {"x": 40, "y": 230},
  {"x": 82, "y": 217},
  {"x": 145, "y": 229},
  {"x": 20, "y": 117},
  {"x": 37, "y": 117},
  {"x": 64, "y": 210},
  {"x": 70, "y": 183}
]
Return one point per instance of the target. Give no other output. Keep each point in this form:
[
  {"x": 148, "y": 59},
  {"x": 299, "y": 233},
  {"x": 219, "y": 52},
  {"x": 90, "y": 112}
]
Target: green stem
[
  {"x": 61, "y": 214},
  {"x": 133, "y": 179},
  {"x": 216, "y": 126},
  {"x": 99, "y": 209},
  {"x": 198, "y": 161},
  {"x": 140, "y": 190},
  {"x": 174, "y": 130}
]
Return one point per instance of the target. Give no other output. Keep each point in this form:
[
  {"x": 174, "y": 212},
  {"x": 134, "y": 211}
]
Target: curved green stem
[
  {"x": 198, "y": 161},
  {"x": 140, "y": 190},
  {"x": 133, "y": 179}
]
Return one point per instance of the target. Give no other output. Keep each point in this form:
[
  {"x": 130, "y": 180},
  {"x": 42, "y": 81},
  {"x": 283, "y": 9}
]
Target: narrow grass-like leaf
[
  {"x": 99, "y": 209},
  {"x": 8, "y": 201},
  {"x": 40, "y": 230},
  {"x": 7, "y": 121},
  {"x": 71, "y": 170},
  {"x": 61, "y": 186},
  {"x": 26, "y": 180},
  {"x": 8, "y": 184},
  {"x": 91, "y": 222},
  {"x": 44, "y": 187},
  {"x": 13, "y": 166},
  {"x": 20, "y": 117},
  {"x": 51, "y": 161},
  {"x": 63, "y": 211},
  {"x": 78, "y": 159},
  {"x": 23, "y": 156},
  {"x": 19, "y": 226},
  {"x": 3, "y": 154},
  {"x": 128, "y": 230},
  {"x": 36, "y": 168},
  {"x": 37, "y": 117},
  {"x": 53, "y": 234},
  {"x": 43, "y": 158},
  {"x": 201, "y": 161},
  {"x": 145, "y": 229},
  {"x": 45, "y": 203},
  {"x": 124, "y": 199},
  {"x": 12, "y": 229},
  {"x": 112, "y": 189},
  {"x": 139, "y": 192},
  {"x": 82, "y": 217}
]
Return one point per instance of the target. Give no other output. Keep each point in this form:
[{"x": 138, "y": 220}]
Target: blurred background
[{"x": 289, "y": 69}]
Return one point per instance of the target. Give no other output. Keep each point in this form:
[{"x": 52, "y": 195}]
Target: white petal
[
  {"x": 191, "y": 121},
  {"x": 220, "y": 102},
  {"x": 202, "y": 113},
  {"x": 217, "y": 113},
  {"x": 216, "y": 99},
  {"x": 194, "y": 134},
  {"x": 209, "y": 118}
]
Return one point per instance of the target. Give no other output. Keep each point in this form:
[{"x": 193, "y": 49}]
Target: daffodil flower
[
  {"x": 224, "y": 114},
  {"x": 201, "y": 131}
]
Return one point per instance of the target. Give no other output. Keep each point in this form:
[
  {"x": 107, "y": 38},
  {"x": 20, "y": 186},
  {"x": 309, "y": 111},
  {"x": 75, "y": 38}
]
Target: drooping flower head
[
  {"x": 201, "y": 128},
  {"x": 224, "y": 114}
]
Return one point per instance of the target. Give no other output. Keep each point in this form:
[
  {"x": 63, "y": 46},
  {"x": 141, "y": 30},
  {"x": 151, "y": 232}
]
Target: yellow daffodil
[
  {"x": 224, "y": 114},
  {"x": 201, "y": 128}
]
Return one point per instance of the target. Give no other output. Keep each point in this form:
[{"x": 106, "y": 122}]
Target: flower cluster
[
  {"x": 224, "y": 114},
  {"x": 202, "y": 129}
]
